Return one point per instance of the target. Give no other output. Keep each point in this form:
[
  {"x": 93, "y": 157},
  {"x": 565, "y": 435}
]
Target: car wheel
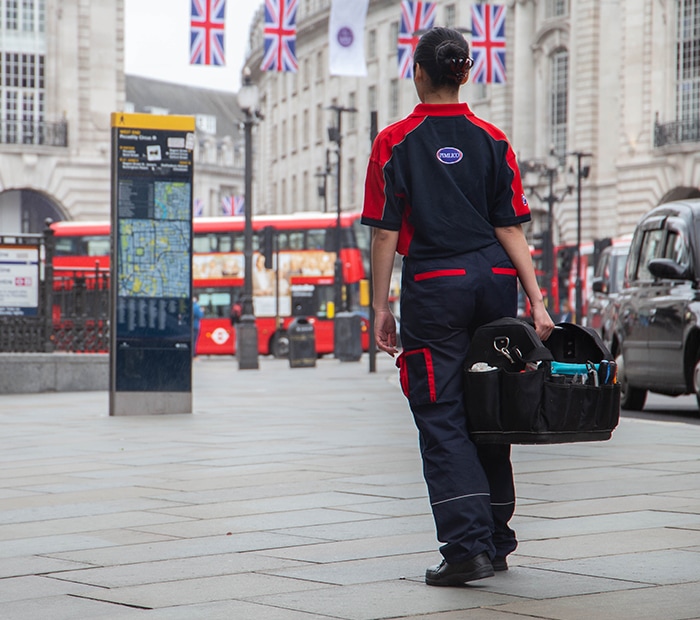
[
  {"x": 279, "y": 345},
  {"x": 631, "y": 398}
]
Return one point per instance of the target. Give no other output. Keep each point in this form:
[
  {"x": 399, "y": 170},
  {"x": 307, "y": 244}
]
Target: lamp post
[
  {"x": 550, "y": 171},
  {"x": 581, "y": 173},
  {"x": 246, "y": 330},
  {"x": 335, "y": 135}
]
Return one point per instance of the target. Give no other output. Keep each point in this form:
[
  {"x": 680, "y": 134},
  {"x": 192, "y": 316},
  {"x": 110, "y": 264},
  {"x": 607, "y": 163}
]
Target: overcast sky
[{"x": 157, "y": 41}]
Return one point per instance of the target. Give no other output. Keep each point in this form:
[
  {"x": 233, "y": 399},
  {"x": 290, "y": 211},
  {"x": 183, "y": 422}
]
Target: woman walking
[{"x": 444, "y": 190}]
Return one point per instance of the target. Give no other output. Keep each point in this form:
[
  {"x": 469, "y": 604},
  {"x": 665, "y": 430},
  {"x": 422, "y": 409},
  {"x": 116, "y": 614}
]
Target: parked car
[
  {"x": 656, "y": 332},
  {"x": 607, "y": 281}
]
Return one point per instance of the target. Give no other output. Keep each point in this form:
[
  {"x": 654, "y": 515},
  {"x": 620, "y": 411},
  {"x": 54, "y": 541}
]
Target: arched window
[{"x": 559, "y": 99}]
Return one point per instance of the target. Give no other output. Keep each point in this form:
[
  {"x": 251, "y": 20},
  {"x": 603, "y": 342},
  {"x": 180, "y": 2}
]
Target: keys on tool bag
[{"x": 501, "y": 346}]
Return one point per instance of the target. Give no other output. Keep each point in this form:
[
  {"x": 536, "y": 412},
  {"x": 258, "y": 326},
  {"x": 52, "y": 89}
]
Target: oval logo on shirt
[{"x": 449, "y": 155}]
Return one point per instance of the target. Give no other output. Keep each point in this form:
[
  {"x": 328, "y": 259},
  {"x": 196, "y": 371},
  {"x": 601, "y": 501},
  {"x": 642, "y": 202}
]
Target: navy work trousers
[{"x": 471, "y": 489}]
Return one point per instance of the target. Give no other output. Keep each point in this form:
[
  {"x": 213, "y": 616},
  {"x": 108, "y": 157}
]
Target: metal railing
[
  {"x": 80, "y": 310},
  {"x": 73, "y": 306},
  {"x": 37, "y": 133},
  {"x": 676, "y": 132}
]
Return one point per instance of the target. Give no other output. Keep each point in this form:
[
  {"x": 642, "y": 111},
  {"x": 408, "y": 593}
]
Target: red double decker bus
[{"x": 301, "y": 281}]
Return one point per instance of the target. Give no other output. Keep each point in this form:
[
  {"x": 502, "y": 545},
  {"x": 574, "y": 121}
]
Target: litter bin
[
  {"x": 348, "y": 336},
  {"x": 302, "y": 343}
]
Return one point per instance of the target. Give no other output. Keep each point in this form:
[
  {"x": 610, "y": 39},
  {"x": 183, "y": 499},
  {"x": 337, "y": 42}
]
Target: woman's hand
[
  {"x": 385, "y": 331},
  {"x": 543, "y": 322}
]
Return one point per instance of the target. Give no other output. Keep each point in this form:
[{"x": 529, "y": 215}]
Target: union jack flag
[
  {"x": 207, "y": 32},
  {"x": 198, "y": 207},
  {"x": 415, "y": 18},
  {"x": 489, "y": 43},
  {"x": 280, "y": 36},
  {"x": 233, "y": 205}
]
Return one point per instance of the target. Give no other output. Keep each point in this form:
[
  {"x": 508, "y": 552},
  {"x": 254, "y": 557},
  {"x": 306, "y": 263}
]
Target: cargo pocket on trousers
[{"x": 417, "y": 376}]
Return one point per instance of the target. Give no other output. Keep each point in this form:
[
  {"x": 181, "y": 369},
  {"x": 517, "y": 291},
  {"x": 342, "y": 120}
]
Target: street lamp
[
  {"x": 335, "y": 135},
  {"x": 581, "y": 173},
  {"x": 548, "y": 169},
  {"x": 246, "y": 330}
]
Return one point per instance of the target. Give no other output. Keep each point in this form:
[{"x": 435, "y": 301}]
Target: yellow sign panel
[{"x": 153, "y": 121}]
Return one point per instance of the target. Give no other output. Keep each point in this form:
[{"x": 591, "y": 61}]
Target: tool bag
[{"x": 521, "y": 390}]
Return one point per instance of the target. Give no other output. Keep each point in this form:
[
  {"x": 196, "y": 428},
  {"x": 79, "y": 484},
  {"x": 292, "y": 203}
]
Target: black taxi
[{"x": 656, "y": 317}]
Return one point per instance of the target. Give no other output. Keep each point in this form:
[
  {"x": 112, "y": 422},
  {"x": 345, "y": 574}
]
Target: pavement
[{"x": 297, "y": 494}]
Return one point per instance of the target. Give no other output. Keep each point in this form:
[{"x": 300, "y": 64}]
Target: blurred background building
[
  {"x": 617, "y": 81},
  {"x": 61, "y": 76}
]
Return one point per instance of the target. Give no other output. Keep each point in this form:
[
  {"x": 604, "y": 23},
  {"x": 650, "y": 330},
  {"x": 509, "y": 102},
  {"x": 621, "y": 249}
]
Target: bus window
[
  {"x": 65, "y": 246},
  {"x": 316, "y": 239},
  {"x": 237, "y": 243},
  {"x": 97, "y": 246},
  {"x": 216, "y": 304},
  {"x": 224, "y": 243},
  {"x": 203, "y": 244},
  {"x": 296, "y": 240}
]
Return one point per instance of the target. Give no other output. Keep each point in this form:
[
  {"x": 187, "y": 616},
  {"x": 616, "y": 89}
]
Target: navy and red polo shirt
[{"x": 444, "y": 179}]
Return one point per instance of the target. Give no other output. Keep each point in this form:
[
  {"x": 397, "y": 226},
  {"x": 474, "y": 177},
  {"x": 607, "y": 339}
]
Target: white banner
[{"x": 346, "y": 37}]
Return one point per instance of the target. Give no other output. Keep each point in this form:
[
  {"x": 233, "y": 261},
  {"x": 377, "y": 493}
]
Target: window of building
[
  {"x": 283, "y": 150},
  {"x": 352, "y": 116},
  {"x": 352, "y": 181},
  {"x": 559, "y": 100},
  {"x": 393, "y": 37},
  {"x": 305, "y": 128},
  {"x": 153, "y": 109},
  {"x": 203, "y": 122},
  {"x": 295, "y": 135},
  {"x": 688, "y": 60},
  {"x": 557, "y": 8},
  {"x": 394, "y": 98},
  {"x": 319, "y": 122},
  {"x": 306, "y": 73},
  {"x": 22, "y": 88},
  {"x": 274, "y": 142},
  {"x": 11, "y": 15},
  {"x": 305, "y": 190},
  {"x": 372, "y": 44},
  {"x": 450, "y": 16},
  {"x": 22, "y": 80},
  {"x": 319, "y": 66},
  {"x": 372, "y": 98}
]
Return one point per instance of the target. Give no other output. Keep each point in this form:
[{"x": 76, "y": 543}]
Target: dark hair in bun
[{"x": 444, "y": 54}]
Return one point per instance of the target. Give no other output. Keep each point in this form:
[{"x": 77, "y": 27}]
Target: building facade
[
  {"x": 61, "y": 77},
  {"x": 616, "y": 82}
]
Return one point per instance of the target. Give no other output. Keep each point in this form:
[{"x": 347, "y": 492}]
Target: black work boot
[{"x": 445, "y": 574}]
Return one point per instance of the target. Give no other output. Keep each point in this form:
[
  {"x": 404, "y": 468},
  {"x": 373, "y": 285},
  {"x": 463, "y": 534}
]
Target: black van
[{"x": 656, "y": 333}]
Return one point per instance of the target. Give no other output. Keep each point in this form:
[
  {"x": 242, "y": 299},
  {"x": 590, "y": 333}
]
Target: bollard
[{"x": 348, "y": 336}]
